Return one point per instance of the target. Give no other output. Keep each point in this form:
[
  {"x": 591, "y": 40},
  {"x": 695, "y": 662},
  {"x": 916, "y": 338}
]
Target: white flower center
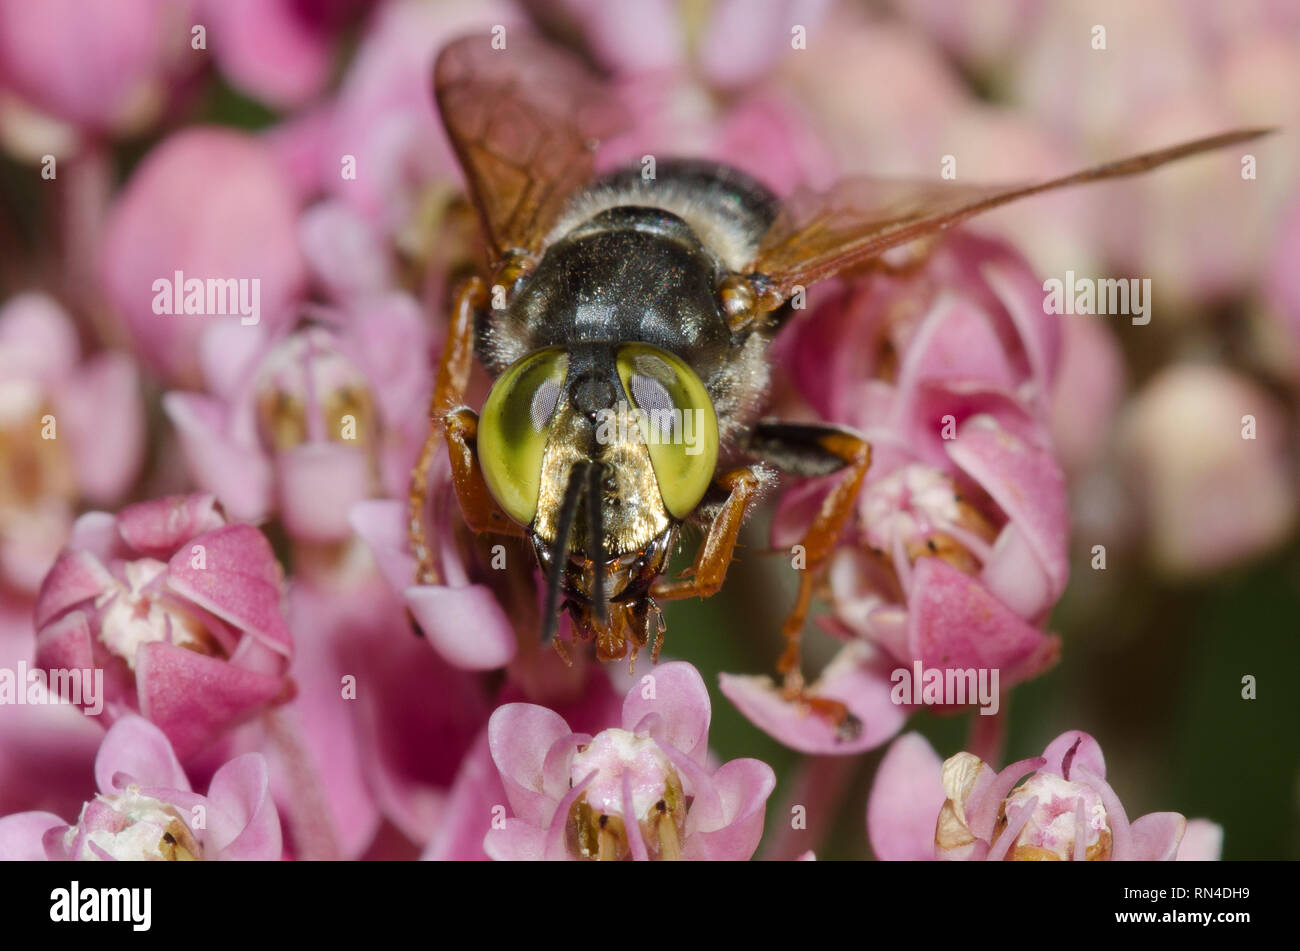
[
  {"x": 133, "y": 616},
  {"x": 130, "y": 826}
]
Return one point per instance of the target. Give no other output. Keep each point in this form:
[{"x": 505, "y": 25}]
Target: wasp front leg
[
  {"x": 482, "y": 513},
  {"x": 814, "y": 450},
  {"x": 705, "y": 577},
  {"x": 448, "y": 393}
]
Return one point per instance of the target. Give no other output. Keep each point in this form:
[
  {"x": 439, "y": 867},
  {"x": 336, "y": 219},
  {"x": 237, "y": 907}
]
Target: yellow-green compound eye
[
  {"x": 677, "y": 422},
  {"x": 513, "y": 429}
]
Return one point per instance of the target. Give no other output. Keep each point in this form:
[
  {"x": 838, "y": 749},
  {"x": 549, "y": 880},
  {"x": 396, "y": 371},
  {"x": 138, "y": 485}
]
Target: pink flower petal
[
  {"x": 38, "y": 340},
  {"x": 341, "y": 247},
  {"x": 680, "y": 701},
  {"x": 236, "y": 473},
  {"x": 268, "y": 49},
  {"x": 381, "y": 524},
  {"x": 242, "y": 822},
  {"x": 467, "y": 626},
  {"x": 91, "y": 65},
  {"x": 469, "y": 811},
  {"x": 175, "y": 214},
  {"x": 75, "y": 577},
  {"x": 101, "y": 409},
  {"x": 519, "y": 736},
  {"x": 158, "y": 527},
  {"x": 519, "y": 841},
  {"x": 318, "y": 485},
  {"x": 1027, "y": 484},
  {"x": 1073, "y": 749},
  {"x": 239, "y": 582},
  {"x": 1156, "y": 836},
  {"x": 955, "y": 342},
  {"x": 743, "y": 786},
  {"x": 953, "y": 621},
  {"x": 194, "y": 698},
  {"x": 22, "y": 835},
  {"x": 136, "y": 750},
  {"x": 857, "y": 677},
  {"x": 1202, "y": 842},
  {"x": 906, "y": 797},
  {"x": 66, "y": 644}
]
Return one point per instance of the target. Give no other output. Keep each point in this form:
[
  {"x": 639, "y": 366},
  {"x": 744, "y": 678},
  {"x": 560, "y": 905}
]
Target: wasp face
[{"x": 600, "y": 450}]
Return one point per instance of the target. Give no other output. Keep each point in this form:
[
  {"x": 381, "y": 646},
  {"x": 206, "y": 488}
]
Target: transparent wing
[
  {"x": 819, "y": 234},
  {"x": 525, "y": 122}
]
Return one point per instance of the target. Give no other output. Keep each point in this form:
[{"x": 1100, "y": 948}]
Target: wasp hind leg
[{"x": 814, "y": 450}]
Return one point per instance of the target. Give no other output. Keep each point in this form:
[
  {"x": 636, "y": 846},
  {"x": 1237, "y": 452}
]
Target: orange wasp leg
[
  {"x": 818, "y": 543},
  {"x": 481, "y": 511},
  {"x": 448, "y": 393},
  {"x": 715, "y": 553}
]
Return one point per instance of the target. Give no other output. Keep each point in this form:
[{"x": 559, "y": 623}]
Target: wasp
[{"x": 625, "y": 322}]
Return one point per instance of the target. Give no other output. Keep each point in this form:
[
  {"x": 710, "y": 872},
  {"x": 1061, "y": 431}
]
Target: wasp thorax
[
  {"x": 308, "y": 391},
  {"x": 917, "y": 512},
  {"x": 138, "y": 611},
  {"x": 633, "y": 807},
  {"x": 131, "y": 826}
]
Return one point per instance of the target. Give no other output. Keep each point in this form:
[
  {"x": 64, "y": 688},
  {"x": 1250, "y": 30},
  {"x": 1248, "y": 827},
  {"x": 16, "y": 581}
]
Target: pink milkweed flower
[
  {"x": 1207, "y": 454},
  {"x": 146, "y": 809},
  {"x": 180, "y": 610},
  {"x": 207, "y": 205},
  {"x": 98, "y": 68},
  {"x": 957, "y": 549},
  {"x": 318, "y": 421},
  {"x": 279, "y": 51},
  {"x": 644, "y": 790},
  {"x": 384, "y": 117},
  {"x": 738, "y": 43},
  {"x": 71, "y": 428},
  {"x": 1054, "y": 807},
  {"x": 1199, "y": 230},
  {"x": 475, "y": 802},
  {"x": 306, "y": 423}
]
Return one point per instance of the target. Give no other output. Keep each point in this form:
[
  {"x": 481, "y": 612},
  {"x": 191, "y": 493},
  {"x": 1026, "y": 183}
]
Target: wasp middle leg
[{"x": 814, "y": 450}]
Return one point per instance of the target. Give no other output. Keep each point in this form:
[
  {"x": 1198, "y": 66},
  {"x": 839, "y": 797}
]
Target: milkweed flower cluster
[
  {"x": 146, "y": 809},
  {"x": 957, "y": 551},
  {"x": 1053, "y": 807},
  {"x": 643, "y": 789}
]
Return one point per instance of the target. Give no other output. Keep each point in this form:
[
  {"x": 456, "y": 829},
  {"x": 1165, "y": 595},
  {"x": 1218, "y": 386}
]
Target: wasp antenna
[
  {"x": 596, "y": 542},
  {"x": 560, "y": 551}
]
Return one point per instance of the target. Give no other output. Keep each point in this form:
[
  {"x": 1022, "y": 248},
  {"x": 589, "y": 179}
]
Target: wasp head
[{"x": 601, "y": 451}]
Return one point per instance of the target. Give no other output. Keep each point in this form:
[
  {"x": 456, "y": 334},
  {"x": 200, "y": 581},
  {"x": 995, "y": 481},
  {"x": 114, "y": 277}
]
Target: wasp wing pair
[{"x": 525, "y": 124}]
